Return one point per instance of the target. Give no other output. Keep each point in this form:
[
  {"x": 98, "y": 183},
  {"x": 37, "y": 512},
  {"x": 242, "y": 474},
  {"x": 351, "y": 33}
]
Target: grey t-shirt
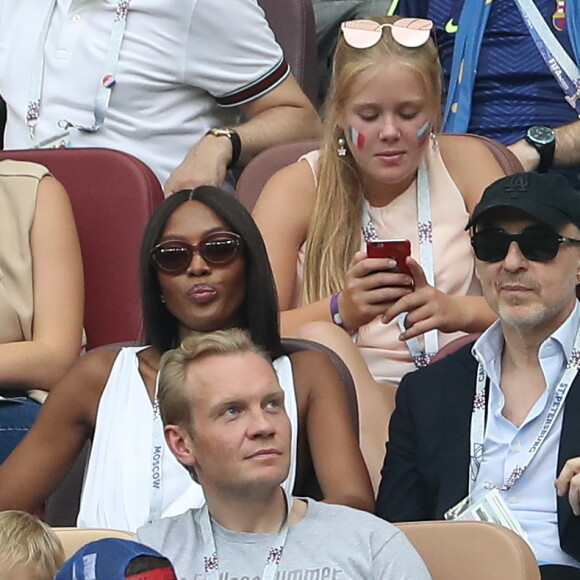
[{"x": 331, "y": 542}]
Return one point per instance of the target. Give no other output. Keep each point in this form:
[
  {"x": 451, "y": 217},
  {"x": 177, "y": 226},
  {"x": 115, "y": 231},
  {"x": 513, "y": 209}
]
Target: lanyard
[
  {"x": 210, "y": 556},
  {"x": 479, "y": 415},
  {"x": 421, "y": 356},
  {"x": 157, "y": 450},
  {"x": 562, "y": 67},
  {"x": 468, "y": 39},
  {"x": 107, "y": 78}
]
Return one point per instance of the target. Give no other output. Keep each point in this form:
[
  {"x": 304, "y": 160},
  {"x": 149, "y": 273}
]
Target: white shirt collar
[{"x": 488, "y": 348}]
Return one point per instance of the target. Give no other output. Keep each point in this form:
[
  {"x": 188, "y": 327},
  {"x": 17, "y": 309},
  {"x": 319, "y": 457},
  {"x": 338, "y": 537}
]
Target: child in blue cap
[{"x": 116, "y": 559}]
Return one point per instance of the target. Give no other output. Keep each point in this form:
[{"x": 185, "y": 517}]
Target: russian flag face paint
[
  {"x": 423, "y": 133},
  {"x": 356, "y": 138}
]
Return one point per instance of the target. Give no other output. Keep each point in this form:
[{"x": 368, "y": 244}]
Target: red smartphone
[{"x": 396, "y": 249}]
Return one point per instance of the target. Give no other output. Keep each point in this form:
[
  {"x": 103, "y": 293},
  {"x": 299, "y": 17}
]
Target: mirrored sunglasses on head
[
  {"x": 174, "y": 256},
  {"x": 536, "y": 244},
  {"x": 408, "y": 32}
]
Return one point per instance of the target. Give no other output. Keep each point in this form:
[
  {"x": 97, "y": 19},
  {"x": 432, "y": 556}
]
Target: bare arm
[
  {"x": 283, "y": 213},
  {"x": 282, "y": 115},
  {"x": 471, "y": 165},
  {"x": 332, "y": 438},
  {"x": 40, "y": 462},
  {"x": 567, "y": 148},
  {"x": 58, "y": 296}
]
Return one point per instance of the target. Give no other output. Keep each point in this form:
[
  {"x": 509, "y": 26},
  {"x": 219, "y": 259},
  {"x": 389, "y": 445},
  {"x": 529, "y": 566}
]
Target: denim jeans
[{"x": 16, "y": 417}]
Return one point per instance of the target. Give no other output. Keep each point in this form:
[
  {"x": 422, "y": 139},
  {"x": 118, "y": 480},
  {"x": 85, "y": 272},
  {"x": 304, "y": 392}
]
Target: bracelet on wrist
[{"x": 334, "y": 312}]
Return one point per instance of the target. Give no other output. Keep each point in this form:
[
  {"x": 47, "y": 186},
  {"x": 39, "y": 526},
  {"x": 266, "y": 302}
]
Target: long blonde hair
[{"x": 334, "y": 233}]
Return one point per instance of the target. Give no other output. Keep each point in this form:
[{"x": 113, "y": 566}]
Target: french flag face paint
[
  {"x": 423, "y": 133},
  {"x": 356, "y": 138}
]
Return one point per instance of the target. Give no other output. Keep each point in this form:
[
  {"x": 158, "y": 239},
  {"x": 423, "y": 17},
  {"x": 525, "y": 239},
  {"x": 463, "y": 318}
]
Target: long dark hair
[{"x": 259, "y": 309}]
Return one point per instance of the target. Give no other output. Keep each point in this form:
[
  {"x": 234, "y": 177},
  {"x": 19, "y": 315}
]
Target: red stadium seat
[{"x": 112, "y": 195}]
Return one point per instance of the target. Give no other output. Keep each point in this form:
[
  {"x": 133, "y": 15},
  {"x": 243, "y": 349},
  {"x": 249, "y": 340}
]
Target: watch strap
[
  {"x": 546, "y": 157},
  {"x": 545, "y": 150},
  {"x": 235, "y": 140}
]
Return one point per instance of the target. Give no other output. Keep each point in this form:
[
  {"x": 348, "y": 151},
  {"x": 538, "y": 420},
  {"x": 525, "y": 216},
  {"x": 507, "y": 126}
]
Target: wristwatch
[
  {"x": 233, "y": 136},
  {"x": 543, "y": 139}
]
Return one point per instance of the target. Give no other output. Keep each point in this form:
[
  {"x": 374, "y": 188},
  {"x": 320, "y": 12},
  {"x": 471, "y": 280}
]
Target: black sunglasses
[
  {"x": 174, "y": 256},
  {"x": 538, "y": 245}
]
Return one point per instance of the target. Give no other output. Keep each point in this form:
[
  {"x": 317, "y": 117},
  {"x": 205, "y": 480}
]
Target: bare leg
[{"x": 376, "y": 401}]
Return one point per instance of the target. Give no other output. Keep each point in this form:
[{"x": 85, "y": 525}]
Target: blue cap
[{"x": 105, "y": 559}]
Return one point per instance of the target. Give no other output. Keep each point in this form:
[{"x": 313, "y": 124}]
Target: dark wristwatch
[
  {"x": 543, "y": 139},
  {"x": 233, "y": 136}
]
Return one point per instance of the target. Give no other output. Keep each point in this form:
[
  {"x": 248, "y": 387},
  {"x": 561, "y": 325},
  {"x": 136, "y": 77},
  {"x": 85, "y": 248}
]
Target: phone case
[{"x": 396, "y": 249}]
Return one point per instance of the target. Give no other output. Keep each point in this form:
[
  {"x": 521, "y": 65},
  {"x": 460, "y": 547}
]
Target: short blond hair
[
  {"x": 174, "y": 399},
  {"x": 175, "y": 402},
  {"x": 24, "y": 539}
]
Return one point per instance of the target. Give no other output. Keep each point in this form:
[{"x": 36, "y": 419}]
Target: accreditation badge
[{"x": 489, "y": 508}]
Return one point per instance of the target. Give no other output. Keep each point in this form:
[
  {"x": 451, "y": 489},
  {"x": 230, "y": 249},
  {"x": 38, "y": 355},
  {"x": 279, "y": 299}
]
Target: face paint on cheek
[
  {"x": 423, "y": 133},
  {"x": 356, "y": 138}
]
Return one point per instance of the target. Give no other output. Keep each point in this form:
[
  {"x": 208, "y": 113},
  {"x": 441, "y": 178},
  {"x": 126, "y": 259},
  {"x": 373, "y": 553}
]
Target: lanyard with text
[
  {"x": 479, "y": 416},
  {"x": 210, "y": 556},
  {"x": 108, "y": 77},
  {"x": 421, "y": 356},
  {"x": 157, "y": 449},
  {"x": 562, "y": 67}
]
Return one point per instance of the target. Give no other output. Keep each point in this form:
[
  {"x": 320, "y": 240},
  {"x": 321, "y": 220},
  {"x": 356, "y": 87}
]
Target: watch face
[
  {"x": 221, "y": 132},
  {"x": 541, "y": 135}
]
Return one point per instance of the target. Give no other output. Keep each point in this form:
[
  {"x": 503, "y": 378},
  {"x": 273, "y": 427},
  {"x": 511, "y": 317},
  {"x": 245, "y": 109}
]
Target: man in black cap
[{"x": 498, "y": 421}]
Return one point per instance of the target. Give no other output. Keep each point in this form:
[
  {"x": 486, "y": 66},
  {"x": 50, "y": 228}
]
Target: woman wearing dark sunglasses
[
  {"x": 203, "y": 267},
  {"x": 382, "y": 173}
]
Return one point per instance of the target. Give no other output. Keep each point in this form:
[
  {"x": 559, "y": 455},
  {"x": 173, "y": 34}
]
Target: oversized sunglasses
[
  {"x": 174, "y": 256},
  {"x": 408, "y": 32},
  {"x": 538, "y": 245}
]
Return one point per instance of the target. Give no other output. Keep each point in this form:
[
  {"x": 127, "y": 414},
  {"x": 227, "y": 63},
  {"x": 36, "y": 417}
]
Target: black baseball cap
[{"x": 548, "y": 197}]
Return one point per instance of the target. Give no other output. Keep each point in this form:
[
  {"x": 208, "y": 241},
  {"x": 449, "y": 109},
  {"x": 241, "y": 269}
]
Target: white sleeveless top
[{"x": 117, "y": 488}]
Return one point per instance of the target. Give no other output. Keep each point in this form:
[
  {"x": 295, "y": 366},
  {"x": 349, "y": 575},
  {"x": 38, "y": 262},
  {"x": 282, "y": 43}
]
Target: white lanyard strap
[
  {"x": 421, "y": 356},
  {"x": 108, "y": 79},
  {"x": 157, "y": 450},
  {"x": 561, "y": 65},
  {"x": 210, "y": 555},
  {"x": 479, "y": 416}
]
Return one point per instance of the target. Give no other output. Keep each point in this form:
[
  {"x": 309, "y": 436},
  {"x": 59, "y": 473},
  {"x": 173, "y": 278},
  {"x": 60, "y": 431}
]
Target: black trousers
[{"x": 557, "y": 572}]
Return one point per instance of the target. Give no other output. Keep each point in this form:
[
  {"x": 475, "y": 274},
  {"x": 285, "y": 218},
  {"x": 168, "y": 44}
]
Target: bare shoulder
[
  {"x": 49, "y": 185},
  {"x": 82, "y": 386},
  {"x": 471, "y": 165},
  {"x": 312, "y": 368},
  {"x": 459, "y": 150},
  {"x": 102, "y": 354},
  {"x": 292, "y": 186},
  {"x": 301, "y": 360}
]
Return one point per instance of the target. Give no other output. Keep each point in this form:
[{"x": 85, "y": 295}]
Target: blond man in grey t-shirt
[{"x": 224, "y": 418}]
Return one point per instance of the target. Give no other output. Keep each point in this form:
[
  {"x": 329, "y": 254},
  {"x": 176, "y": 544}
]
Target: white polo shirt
[
  {"x": 184, "y": 67},
  {"x": 532, "y": 499}
]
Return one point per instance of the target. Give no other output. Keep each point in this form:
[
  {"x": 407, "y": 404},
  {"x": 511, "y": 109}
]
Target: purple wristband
[{"x": 334, "y": 312}]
